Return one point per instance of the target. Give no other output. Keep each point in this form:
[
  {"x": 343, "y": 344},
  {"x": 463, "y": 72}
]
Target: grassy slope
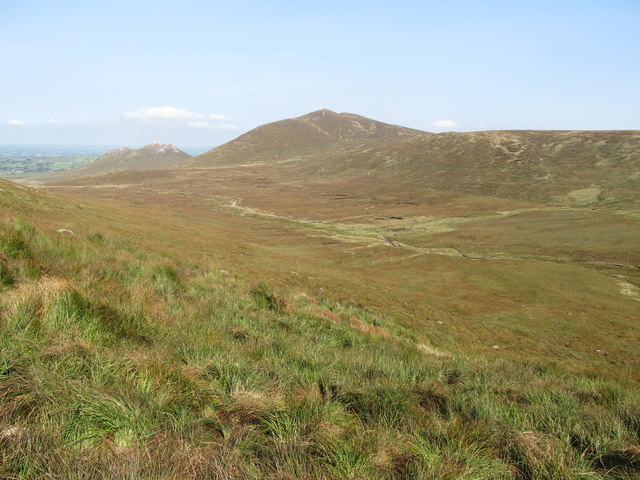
[
  {"x": 541, "y": 276},
  {"x": 540, "y": 289},
  {"x": 125, "y": 356},
  {"x": 573, "y": 168}
]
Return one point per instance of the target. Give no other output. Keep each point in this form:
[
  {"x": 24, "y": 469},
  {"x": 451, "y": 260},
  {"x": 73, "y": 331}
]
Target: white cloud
[
  {"x": 226, "y": 126},
  {"x": 162, "y": 113},
  {"x": 199, "y": 124},
  {"x": 219, "y": 116},
  {"x": 19, "y": 123},
  {"x": 55, "y": 122},
  {"x": 179, "y": 117},
  {"x": 445, "y": 124}
]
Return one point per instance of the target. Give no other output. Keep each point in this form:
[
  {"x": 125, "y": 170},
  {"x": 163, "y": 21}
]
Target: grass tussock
[{"x": 116, "y": 363}]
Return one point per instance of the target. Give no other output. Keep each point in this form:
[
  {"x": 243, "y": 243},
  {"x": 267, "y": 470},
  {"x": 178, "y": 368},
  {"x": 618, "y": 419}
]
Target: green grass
[
  {"x": 119, "y": 362},
  {"x": 27, "y": 167}
]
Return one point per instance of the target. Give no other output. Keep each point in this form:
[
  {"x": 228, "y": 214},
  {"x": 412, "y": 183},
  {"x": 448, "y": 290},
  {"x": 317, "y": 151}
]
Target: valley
[
  {"x": 538, "y": 278},
  {"x": 393, "y": 304}
]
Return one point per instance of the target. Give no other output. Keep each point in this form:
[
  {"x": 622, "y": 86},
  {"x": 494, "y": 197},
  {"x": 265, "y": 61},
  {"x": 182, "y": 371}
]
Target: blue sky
[{"x": 198, "y": 73}]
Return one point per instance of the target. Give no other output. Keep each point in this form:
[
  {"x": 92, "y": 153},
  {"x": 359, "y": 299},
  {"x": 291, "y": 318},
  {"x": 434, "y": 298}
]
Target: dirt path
[{"x": 369, "y": 235}]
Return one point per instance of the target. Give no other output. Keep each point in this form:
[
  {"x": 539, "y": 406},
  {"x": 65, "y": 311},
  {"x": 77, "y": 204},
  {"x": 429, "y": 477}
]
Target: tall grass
[{"x": 118, "y": 363}]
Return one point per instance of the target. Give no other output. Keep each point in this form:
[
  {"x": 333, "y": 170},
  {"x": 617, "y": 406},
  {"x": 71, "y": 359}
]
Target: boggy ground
[{"x": 464, "y": 272}]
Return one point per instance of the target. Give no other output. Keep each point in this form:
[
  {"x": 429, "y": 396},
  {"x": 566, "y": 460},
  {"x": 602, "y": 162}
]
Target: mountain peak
[
  {"x": 325, "y": 112},
  {"x": 319, "y": 131},
  {"x": 161, "y": 148}
]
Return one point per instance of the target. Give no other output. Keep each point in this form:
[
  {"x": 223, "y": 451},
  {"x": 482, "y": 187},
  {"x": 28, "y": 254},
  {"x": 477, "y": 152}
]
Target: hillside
[
  {"x": 316, "y": 133},
  {"x": 150, "y": 157},
  {"x": 573, "y": 168},
  {"x": 126, "y": 354}
]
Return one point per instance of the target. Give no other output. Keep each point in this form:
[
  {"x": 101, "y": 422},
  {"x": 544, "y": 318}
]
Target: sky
[{"x": 200, "y": 73}]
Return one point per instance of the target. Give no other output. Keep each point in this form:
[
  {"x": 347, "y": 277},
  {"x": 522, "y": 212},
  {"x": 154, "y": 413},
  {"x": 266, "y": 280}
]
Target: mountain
[
  {"x": 312, "y": 134},
  {"x": 150, "y": 157},
  {"x": 571, "y": 168}
]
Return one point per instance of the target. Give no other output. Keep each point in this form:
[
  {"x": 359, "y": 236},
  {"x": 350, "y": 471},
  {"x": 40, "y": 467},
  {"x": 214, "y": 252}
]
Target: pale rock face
[
  {"x": 155, "y": 147},
  {"x": 118, "y": 151},
  {"x": 163, "y": 148},
  {"x": 168, "y": 148}
]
